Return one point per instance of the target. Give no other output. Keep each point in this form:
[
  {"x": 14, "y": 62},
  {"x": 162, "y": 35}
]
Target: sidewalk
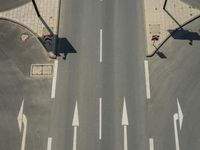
[
  {"x": 26, "y": 15},
  {"x": 158, "y": 22}
]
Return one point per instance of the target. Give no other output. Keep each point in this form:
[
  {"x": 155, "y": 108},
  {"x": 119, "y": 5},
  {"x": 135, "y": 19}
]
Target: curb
[{"x": 166, "y": 39}]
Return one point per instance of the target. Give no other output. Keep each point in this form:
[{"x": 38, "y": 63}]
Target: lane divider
[
  {"x": 101, "y": 33},
  {"x": 146, "y": 66},
  {"x": 151, "y": 144},
  {"x": 53, "y": 89},
  {"x": 49, "y": 143},
  {"x": 100, "y": 118}
]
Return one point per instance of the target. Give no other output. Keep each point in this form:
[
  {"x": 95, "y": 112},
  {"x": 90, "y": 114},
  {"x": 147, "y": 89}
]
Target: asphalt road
[
  {"x": 177, "y": 76},
  {"x": 82, "y": 77},
  {"x": 10, "y": 4},
  {"x": 193, "y": 3}
]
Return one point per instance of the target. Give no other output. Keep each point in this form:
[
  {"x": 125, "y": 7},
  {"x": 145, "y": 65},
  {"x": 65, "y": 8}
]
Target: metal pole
[{"x": 36, "y": 8}]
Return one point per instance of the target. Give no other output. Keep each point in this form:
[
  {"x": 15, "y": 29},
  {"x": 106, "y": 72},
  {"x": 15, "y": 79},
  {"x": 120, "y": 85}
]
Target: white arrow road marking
[
  {"x": 177, "y": 116},
  {"x": 146, "y": 67},
  {"x": 75, "y": 124},
  {"x": 180, "y": 114},
  {"x": 151, "y": 144},
  {"x": 22, "y": 119},
  {"x": 53, "y": 89},
  {"x": 100, "y": 118},
  {"x": 101, "y": 33},
  {"x": 125, "y": 123},
  {"x": 49, "y": 143}
]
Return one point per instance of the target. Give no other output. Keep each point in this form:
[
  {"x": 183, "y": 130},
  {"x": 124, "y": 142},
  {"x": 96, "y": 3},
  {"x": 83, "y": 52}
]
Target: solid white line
[
  {"x": 101, "y": 32},
  {"x": 49, "y": 143},
  {"x": 151, "y": 144},
  {"x": 146, "y": 66},
  {"x": 53, "y": 90},
  {"x": 100, "y": 118}
]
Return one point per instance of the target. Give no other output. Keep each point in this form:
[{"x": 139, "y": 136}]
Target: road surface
[{"x": 104, "y": 48}]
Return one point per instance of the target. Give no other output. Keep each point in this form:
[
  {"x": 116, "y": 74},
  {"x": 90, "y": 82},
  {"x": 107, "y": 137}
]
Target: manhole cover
[{"x": 41, "y": 70}]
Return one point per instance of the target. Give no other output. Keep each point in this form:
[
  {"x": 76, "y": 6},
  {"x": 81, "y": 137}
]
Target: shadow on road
[
  {"x": 64, "y": 47},
  {"x": 183, "y": 34},
  {"x": 161, "y": 55},
  {"x": 59, "y": 46}
]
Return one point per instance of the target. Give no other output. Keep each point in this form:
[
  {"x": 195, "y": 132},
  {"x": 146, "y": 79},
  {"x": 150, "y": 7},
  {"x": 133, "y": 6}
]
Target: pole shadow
[
  {"x": 183, "y": 34},
  {"x": 64, "y": 47},
  {"x": 161, "y": 55}
]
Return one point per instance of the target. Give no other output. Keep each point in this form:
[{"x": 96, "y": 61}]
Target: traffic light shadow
[
  {"x": 183, "y": 34},
  {"x": 64, "y": 47}
]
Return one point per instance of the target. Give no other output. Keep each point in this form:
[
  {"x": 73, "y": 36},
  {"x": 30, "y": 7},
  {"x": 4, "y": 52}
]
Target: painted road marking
[
  {"x": 125, "y": 123},
  {"x": 49, "y": 143},
  {"x": 101, "y": 32},
  {"x": 100, "y": 118},
  {"x": 175, "y": 117},
  {"x": 75, "y": 124},
  {"x": 151, "y": 144},
  {"x": 53, "y": 90},
  {"x": 146, "y": 66},
  {"x": 22, "y": 120}
]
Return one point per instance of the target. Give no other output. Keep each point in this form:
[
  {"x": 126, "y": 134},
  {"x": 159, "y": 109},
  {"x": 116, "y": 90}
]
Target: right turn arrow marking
[
  {"x": 180, "y": 114},
  {"x": 177, "y": 116}
]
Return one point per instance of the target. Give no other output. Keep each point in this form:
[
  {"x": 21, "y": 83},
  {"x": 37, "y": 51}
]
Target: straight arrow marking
[
  {"x": 75, "y": 124},
  {"x": 125, "y": 114},
  {"x": 125, "y": 123}
]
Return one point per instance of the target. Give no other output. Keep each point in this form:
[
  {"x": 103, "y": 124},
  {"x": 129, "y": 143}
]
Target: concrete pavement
[
  {"x": 158, "y": 21},
  {"x": 25, "y": 13},
  {"x": 83, "y": 77}
]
